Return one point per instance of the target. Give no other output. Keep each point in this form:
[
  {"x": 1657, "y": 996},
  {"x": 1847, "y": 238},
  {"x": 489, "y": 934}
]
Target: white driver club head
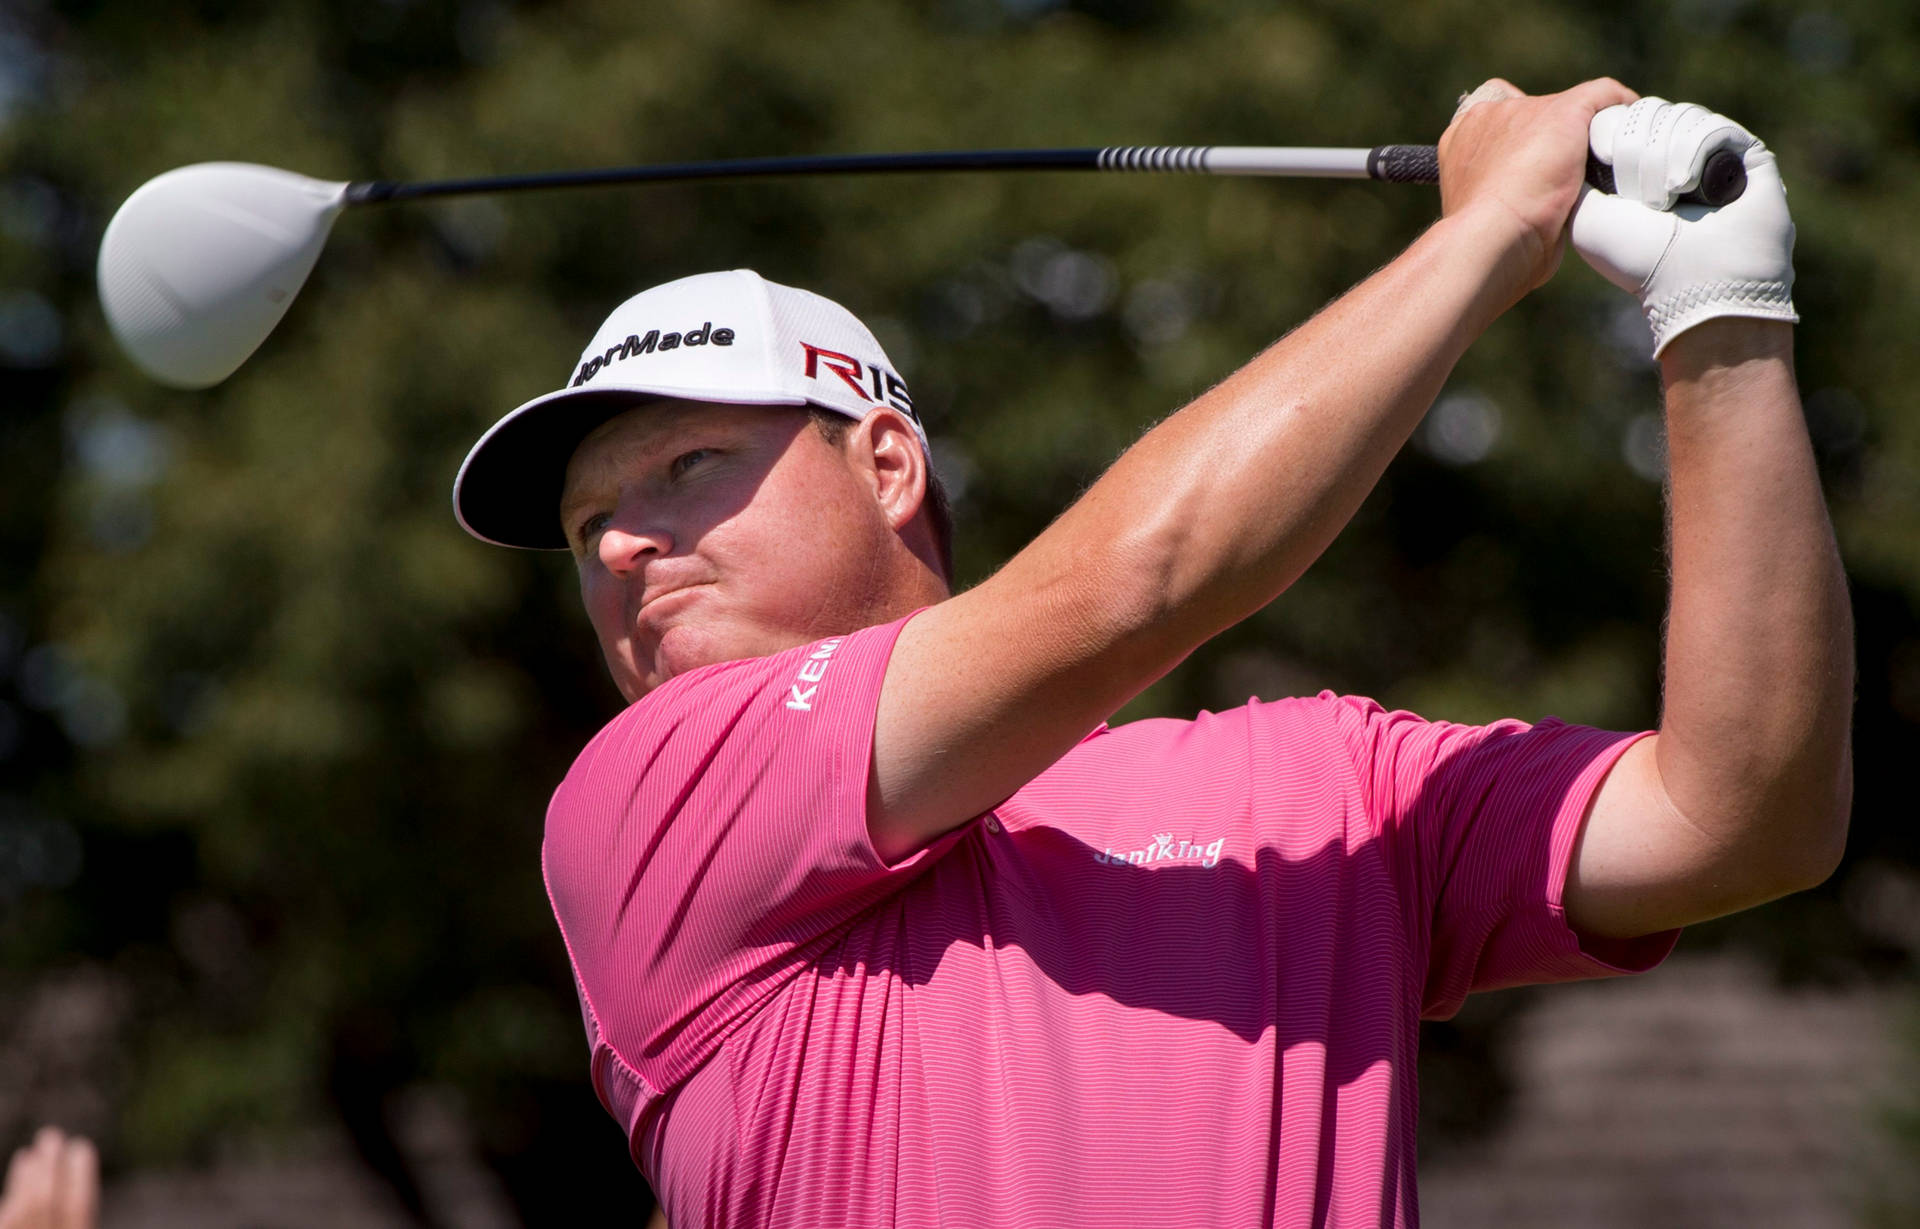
[{"x": 200, "y": 263}]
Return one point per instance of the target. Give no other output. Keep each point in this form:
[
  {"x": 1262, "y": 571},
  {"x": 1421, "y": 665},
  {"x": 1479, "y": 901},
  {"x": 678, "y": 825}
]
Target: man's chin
[
  {"x": 679, "y": 650},
  {"x": 689, "y": 646}
]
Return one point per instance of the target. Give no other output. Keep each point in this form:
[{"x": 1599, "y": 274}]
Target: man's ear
[{"x": 886, "y": 450}]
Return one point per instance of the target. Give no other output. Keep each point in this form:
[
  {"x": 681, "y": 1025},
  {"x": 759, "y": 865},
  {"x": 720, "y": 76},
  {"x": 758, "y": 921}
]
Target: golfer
[{"x": 875, "y": 921}]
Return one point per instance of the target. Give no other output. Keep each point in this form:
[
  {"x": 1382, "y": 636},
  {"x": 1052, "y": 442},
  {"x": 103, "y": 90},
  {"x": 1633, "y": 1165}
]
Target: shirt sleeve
[
  {"x": 1485, "y": 820},
  {"x": 713, "y": 839}
]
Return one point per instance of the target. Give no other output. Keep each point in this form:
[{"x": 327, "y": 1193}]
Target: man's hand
[
  {"x": 1687, "y": 263},
  {"x": 1517, "y": 164}
]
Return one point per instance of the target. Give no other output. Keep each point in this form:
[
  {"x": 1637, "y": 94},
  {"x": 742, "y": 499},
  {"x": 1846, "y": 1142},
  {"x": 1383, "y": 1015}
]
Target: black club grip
[
  {"x": 1722, "y": 180},
  {"x": 1404, "y": 163}
]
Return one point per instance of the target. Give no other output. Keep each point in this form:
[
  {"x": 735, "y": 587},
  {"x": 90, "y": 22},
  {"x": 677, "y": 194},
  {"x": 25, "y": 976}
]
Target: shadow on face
[{"x": 649, "y": 451}]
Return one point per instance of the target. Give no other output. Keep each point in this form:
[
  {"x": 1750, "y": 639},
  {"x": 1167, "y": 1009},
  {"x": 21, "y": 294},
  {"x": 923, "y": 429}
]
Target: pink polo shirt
[{"x": 1176, "y": 980}]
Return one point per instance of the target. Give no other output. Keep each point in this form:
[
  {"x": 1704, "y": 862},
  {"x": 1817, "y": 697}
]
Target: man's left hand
[{"x": 1687, "y": 263}]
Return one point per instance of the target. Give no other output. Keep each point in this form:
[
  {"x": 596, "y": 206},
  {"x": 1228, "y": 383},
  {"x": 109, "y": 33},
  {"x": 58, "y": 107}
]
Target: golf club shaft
[
  {"x": 1722, "y": 182},
  {"x": 1398, "y": 163}
]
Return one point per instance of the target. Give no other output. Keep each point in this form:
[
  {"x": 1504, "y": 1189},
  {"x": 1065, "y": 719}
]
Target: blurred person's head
[{"x": 748, "y": 481}]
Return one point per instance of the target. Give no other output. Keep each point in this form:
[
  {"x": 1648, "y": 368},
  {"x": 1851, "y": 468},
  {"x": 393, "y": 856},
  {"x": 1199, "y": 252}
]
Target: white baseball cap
[{"x": 730, "y": 337}]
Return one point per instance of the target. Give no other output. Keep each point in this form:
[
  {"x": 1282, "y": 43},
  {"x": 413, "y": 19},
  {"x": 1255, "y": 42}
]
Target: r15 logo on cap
[{"x": 888, "y": 387}]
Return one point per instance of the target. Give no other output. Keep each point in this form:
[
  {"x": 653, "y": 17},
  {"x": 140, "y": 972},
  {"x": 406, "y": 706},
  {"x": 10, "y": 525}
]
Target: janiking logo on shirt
[{"x": 1165, "y": 849}]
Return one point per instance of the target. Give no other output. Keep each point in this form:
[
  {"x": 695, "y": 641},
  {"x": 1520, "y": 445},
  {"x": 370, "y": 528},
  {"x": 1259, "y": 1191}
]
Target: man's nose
[{"x": 625, "y": 548}]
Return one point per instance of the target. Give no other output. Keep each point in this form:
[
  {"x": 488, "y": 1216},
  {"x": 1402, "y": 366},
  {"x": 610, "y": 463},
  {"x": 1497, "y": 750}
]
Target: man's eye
[
  {"x": 592, "y": 525},
  {"x": 687, "y": 460}
]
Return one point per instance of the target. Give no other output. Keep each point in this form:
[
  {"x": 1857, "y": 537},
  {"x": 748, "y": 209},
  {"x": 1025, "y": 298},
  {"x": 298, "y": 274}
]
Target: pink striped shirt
[{"x": 1176, "y": 980}]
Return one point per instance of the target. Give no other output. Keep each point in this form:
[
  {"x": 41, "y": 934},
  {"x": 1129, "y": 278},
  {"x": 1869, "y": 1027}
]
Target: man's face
[{"x": 706, "y": 533}]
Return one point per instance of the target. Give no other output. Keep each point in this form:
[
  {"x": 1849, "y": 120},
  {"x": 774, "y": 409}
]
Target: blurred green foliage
[{"x": 302, "y": 729}]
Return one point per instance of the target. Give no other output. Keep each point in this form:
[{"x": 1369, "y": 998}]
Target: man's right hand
[{"x": 1516, "y": 163}]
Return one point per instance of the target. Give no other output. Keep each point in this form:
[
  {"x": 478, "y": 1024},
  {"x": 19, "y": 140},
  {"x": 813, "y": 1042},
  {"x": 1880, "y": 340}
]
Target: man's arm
[
  {"x": 1219, "y": 508},
  {"x": 1744, "y": 793}
]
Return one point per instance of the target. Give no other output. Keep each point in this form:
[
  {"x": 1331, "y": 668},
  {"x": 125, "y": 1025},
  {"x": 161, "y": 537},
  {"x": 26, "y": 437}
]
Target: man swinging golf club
[{"x": 875, "y": 922}]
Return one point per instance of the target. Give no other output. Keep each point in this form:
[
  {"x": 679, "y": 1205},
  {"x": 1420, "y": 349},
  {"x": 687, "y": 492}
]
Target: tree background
[{"x": 276, "y": 737}]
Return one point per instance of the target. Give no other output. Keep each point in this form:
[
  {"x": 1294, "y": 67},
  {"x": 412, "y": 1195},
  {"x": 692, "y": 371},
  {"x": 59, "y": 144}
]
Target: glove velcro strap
[{"x": 1671, "y": 316}]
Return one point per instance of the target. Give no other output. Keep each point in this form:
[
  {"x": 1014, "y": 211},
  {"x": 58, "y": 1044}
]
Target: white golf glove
[{"x": 1688, "y": 263}]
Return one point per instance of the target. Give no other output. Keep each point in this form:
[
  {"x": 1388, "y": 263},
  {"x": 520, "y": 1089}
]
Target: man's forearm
[
  {"x": 1216, "y": 510},
  {"x": 1753, "y": 746}
]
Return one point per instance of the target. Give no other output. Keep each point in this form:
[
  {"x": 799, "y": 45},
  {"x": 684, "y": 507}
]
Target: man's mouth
[{"x": 648, "y": 602}]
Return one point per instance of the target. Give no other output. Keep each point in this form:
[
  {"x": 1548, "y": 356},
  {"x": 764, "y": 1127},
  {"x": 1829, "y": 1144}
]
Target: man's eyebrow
[
  {"x": 571, "y": 505},
  {"x": 648, "y": 447},
  {"x": 574, "y": 497}
]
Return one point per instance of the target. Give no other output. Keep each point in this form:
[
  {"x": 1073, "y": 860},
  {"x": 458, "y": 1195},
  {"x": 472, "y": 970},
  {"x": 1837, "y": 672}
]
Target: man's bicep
[
  {"x": 982, "y": 693},
  {"x": 1640, "y": 867}
]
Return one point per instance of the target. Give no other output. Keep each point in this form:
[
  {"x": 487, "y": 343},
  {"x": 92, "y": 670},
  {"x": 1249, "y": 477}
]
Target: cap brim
[{"x": 508, "y": 489}]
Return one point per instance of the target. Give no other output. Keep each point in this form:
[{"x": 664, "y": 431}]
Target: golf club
[{"x": 200, "y": 263}]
